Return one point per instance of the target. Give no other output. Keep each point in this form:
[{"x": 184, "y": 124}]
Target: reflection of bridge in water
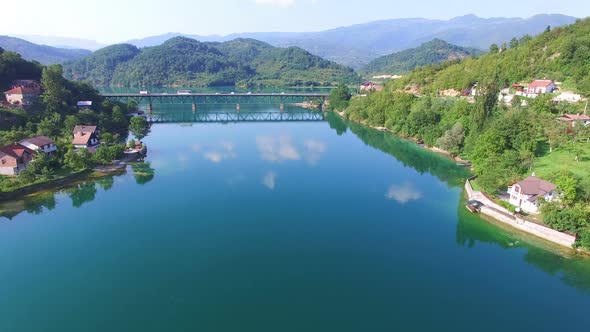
[{"x": 227, "y": 116}]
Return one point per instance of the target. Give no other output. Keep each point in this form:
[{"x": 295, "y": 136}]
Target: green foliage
[
  {"x": 187, "y": 62},
  {"x": 452, "y": 140},
  {"x": 105, "y": 154},
  {"x": 568, "y": 186},
  {"x": 574, "y": 219},
  {"x": 432, "y": 52},
  {"x": 563, "y": 54},
  {"x": 340, "y": 98},
  {"x": 139, "y": 127},
  {"x": 78, "y": 159}
]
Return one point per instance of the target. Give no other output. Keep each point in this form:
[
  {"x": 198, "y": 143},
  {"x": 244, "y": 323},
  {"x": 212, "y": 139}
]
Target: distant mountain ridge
[
  {"x": 432, "y": 52},
  {"x": 357, "y": 45},
  {"x": 40, "y": 53},
  {"x": 183, "y": 61}
]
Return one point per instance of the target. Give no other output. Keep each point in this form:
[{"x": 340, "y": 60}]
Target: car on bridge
[
  {"x": 184, "y": 92},
  {"x": 144, "y": 92}
]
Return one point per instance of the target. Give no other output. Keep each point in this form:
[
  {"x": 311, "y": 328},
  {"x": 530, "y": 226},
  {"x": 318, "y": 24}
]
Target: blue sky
[{"x": 111, "y": 21}]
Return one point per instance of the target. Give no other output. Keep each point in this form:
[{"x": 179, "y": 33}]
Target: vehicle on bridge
[
  {"x": 184, "y": 92},
  {"x": 144, "y": 92}
]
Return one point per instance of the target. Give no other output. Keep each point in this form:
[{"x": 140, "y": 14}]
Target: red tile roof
[
  {"x": 21, "y": 91},
  {"x": 535, "y": 187},
  {"x": 540, "y": 83},
  {"x": 15, "y": 150},
  {"x": 575, "y": 117}
]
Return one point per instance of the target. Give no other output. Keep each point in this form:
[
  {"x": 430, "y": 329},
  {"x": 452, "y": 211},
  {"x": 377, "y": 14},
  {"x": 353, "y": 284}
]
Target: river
[{"x": 278, "y": 226}]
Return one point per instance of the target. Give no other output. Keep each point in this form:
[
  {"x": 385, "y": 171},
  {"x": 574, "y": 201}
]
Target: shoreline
[{"x": 496, "y": 212}]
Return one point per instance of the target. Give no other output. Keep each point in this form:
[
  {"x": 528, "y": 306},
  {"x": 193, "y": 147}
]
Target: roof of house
[
  {"x": 84, "y": 103},
  {"x": 575, "y": 117},
  {"x": 14, "y": 150},
  {"x": 367, "y": 83},
  {"x": 540, "y": 83},
  {"x": 38, "y": 140},
  {"x": 19, "y": 90},
  {"x": 535, "y": 187},
  {"x": 82, "y": 134}
]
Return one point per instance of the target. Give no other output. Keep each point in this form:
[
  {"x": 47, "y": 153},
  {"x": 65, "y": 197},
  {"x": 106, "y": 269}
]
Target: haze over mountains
[
  {"x": 41, "y": 53},
  {"x": 357, "y": 45}
]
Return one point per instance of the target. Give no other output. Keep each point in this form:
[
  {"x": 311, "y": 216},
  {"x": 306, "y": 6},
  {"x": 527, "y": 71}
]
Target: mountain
[
  {"x": 41, "y": 53},
  {"x": 432, "y": 52},
  {"x": 183, "y": 61},
  {"x": 357, "y": 45},
  {"x": 562, "y": 54},
  {"x": 62, "y": 42}
]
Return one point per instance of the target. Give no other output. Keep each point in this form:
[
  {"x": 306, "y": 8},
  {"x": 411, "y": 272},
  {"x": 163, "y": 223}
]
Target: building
[
  {"x": 20, "y": 96},
  {"x": 14, "y": 158},
  {"x": 540, "y": 87},
  {"x": 370, "y": 86},
  {"x": 572, "y": 119},
  {"x": 530, "y": 192},
  {"x": 84, "y": 105},
  {"x": 517, "y": 87},
  {"x": 39, "y": 143},
  {"x": 86, "y": 137}
]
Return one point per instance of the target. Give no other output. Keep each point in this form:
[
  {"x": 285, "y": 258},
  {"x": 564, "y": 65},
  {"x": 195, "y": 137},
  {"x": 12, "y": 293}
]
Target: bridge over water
[
  {"x": 218, "y": 98},
  {"x": 229, "y": 117}
]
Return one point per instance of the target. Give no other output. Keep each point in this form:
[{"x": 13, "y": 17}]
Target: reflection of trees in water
[
  {"x": 573, "y": 271},
  {"x": 336, "y": 123},
  {"x": 35, "y": 204},
  {"x": 143, "y": 172},
  {"x": 106, "y": 183},
  {"x": 82, "y": 193},
  {"x": 411, "y": 154}
]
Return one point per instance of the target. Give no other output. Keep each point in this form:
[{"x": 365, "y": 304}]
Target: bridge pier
[
  {"x": 149, "y": 107},
  {"x": 194, "y": 107},
  {"x": 282, "y": 107},
  {"x": 238, "y": 107}
]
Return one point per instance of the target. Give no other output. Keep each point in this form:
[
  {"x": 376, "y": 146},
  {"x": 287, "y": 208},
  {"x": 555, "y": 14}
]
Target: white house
[
  {"x": 540, "y": 87},
  {"x": 530, "y": 192},
  {"x": 37, "y": 143}
]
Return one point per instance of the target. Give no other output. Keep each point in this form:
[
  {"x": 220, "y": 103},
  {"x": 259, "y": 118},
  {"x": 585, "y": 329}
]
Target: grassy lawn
[{"x": 562, "y": 159}]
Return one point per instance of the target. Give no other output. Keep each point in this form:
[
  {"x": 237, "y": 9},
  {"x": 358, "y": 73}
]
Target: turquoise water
[{"x": 307, "y": 226}]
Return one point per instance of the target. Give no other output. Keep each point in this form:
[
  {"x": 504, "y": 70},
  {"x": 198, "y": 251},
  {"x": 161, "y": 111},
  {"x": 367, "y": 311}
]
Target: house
[
  {"x": 86, "y": 137},
  {"x": 14, "y": 158},
  {"x": 540, "y": 87},
  {"x": 39, "y": 143},
  {"x": 21, "y": 96},
  {"x": 572, "y": 119},
  {"x": 530, "y": 192},
  {"x": 370, "y": 86},
  {"x": 84, "y": 105},
  {"x": 517, "y": 87}
]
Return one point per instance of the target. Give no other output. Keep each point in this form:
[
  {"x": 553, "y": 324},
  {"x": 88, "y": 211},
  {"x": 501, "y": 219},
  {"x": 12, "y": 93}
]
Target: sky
[{"x": 110, "y": 21}]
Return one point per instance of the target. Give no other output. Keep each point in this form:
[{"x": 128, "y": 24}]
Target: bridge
[
  {"x": 232, "y": 117},
  {"x": 219, "y": 98}
]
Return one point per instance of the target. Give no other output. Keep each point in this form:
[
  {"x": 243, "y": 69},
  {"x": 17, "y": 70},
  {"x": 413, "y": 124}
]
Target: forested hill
[
  {"x": 186, "y": 62},
  {"x": 432, "y": 52},
  {"x": 14, "y": 67},
  {"x": 562, "y": 54},
  {"x": 41, "y": 53}
]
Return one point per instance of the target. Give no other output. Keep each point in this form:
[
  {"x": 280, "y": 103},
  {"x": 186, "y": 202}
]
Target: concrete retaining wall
[{"x": 499, "y": 213}]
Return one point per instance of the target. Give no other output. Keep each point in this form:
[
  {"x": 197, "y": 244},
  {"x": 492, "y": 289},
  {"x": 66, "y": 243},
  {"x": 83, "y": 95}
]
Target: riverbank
[{"x": 445, "y": 153}]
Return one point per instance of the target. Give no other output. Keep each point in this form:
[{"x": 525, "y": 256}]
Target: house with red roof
[
  {"x": 572, "y": 119},
  {"x": 39, "y": 143},
  {"x": 86, "y": 137},
  {"x": 21, "y": 96},
  {"x": 371, "y": 86},
  {"x": 14, "y": 158},
  {"x": 540, "y": 87},
  {"x": 529, "y": 193}
]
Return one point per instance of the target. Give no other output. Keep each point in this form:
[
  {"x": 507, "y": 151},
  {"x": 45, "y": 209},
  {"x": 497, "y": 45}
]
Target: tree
[
  {"x": 119, "y": 120},
  {"x": 339, "y": 98},
  {"x": 494, "y": 48},
  {"x": 548, "y": 29},
  {"x": 486, "y": 102},
  {"x": 568, "y": 185},
  {"x": 139, "y": 127},
  {"x": 452, "y": 140},
  {"x": 55, "y": 95},
  {"x": 514, "y": 43}
]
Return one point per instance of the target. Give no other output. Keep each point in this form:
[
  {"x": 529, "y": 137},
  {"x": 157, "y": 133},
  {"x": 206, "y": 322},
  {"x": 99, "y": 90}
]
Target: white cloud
[
  {"x": 226, "y": 152},
  {"x": 277, "y": 149},
  {"x": 314, "y": 150},
  {"x": 270, "y": 180},
  {"x": 403, "y": 193},
  {"x": 281, "y": 3}
]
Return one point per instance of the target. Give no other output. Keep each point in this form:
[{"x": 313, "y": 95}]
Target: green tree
[
  {"x": 340, "y": 98},
  {"x": 453, "y": 138},
  {"x": 568, "y": 186},
  {"x": 514, "y": 43},
  {"x": 139, "y": 127},
  {"x": 494, "y": 48},
  {"x": 55, "y": 95}
]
